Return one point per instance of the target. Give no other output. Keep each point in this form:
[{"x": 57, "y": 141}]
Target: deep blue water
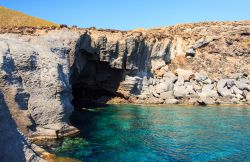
[{"x": 155, "y": 133}]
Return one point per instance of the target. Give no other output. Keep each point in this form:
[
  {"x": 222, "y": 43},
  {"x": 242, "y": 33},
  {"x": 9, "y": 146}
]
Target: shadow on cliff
[
  {"x": 93, "y": 79},
  {"x": 95, "y": 84},
  {"x": 9, "y": 67},
  {"x": 12, "y": 141}
]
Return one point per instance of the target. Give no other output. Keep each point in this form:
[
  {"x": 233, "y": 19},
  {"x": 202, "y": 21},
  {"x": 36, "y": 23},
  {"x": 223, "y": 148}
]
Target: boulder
[
  {"x": 180, "y": 81},
  {"x": 225, "y": 92},
  {"x": 190, "y": 52},
  {"x": 235, "y": 90},
  {"x": 222, "y": 83},
  {"x": 190, "y": 89},
  {"x": 131, "y": 84},
  {"x": 197, "y": 87},
  {"x": 171, "y": 101},
  {"x": 211, "y": 94},
  {"x": 209, "y": 91},
  {"x": 206, "y": 101},
  {"x": 163, "y": 87},
  {"x": 170, "y": 76},
  {"x": 167, "y": 95},
  {"x": 243, "y": 84},
  {"x": 248, "y": 97},
  {"x": 180, "y": 91},
  {"x": 244, "y": 93},
  {"x": 201, "y": 76},
  {"x": 230, "y": 83},
  {"x": 186, "y": 74},
  {"x": 207, "y": 81},
  {"x": 207, "y": 87},
  {"x": 223, "y": 87},
  {"x": 239, "y": 96},
  {"x": 155, "y": 94},
  {"x": 151, "y": 81}
]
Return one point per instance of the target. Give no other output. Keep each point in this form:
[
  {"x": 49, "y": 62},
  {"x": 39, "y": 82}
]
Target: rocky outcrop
[
  {"x": 193, "y": 62},
  {"x": 44, "y": 76},
  {"x": 34, "y": 79}
]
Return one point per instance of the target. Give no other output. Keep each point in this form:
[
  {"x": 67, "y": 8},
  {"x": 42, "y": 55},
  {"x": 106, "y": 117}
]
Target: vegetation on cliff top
[{"x": 12, "y": 18}]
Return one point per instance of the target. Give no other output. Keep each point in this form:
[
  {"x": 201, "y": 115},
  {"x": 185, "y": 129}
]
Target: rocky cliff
[
  {"x": 34, "y": 81},
  {"x": 206, "y": 63},
  {"x": 46, "y": 74}
]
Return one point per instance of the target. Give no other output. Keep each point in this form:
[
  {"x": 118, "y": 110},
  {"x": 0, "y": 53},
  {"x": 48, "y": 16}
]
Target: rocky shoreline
[
  {"x": 195, "y": 89},
  {"x": 46, "y": 74}
]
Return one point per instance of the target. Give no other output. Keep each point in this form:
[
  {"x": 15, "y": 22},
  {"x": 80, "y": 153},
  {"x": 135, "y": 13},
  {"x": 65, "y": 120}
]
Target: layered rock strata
[{"x": 205, "y": 63}]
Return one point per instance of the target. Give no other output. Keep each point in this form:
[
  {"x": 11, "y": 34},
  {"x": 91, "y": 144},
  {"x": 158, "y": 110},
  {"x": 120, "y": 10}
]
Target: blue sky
[{"x": 130, "y": 14}]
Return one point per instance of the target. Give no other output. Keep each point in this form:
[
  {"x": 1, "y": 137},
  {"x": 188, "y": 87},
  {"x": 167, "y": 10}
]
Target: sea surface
[{"x": 159, "y": 133}]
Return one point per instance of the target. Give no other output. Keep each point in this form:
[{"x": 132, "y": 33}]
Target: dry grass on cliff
[
  {"x": 180, "y": 60},
  {"x": 11, "y": 18},
  {"x": 247, "y": 41}
]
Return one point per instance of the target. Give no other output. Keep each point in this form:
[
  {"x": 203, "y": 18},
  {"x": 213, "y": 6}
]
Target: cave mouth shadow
[{"x": 96, "y": 83}]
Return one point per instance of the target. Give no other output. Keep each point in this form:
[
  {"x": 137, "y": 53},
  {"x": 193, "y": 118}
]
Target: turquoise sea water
[{"x": 155, "y": 133}]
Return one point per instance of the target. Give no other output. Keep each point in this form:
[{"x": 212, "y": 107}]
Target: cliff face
[
  {"x": 179, "y": 64},
  {"x": 205, "y": 63},
  {"x": 14, "y": 146},
  {"x": 34, "y": 81}
]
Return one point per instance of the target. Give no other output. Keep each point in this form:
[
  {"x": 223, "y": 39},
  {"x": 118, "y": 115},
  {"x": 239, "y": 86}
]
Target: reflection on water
[{"x": 151, "y": 133}]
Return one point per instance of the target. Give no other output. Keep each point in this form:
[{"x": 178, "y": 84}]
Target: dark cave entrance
[{"x": 95, "y": 83}]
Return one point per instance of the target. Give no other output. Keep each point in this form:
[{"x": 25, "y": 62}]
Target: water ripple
[{"x": 143, "y": 133}]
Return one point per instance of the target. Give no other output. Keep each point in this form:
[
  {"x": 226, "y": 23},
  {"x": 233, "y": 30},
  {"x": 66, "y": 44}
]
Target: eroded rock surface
[
  {"x": 34, "y": 79},
  {"x": 206, "y": 61}
]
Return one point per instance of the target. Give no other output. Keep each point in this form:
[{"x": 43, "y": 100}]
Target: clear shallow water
[{"x": 144, "y": 133}]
